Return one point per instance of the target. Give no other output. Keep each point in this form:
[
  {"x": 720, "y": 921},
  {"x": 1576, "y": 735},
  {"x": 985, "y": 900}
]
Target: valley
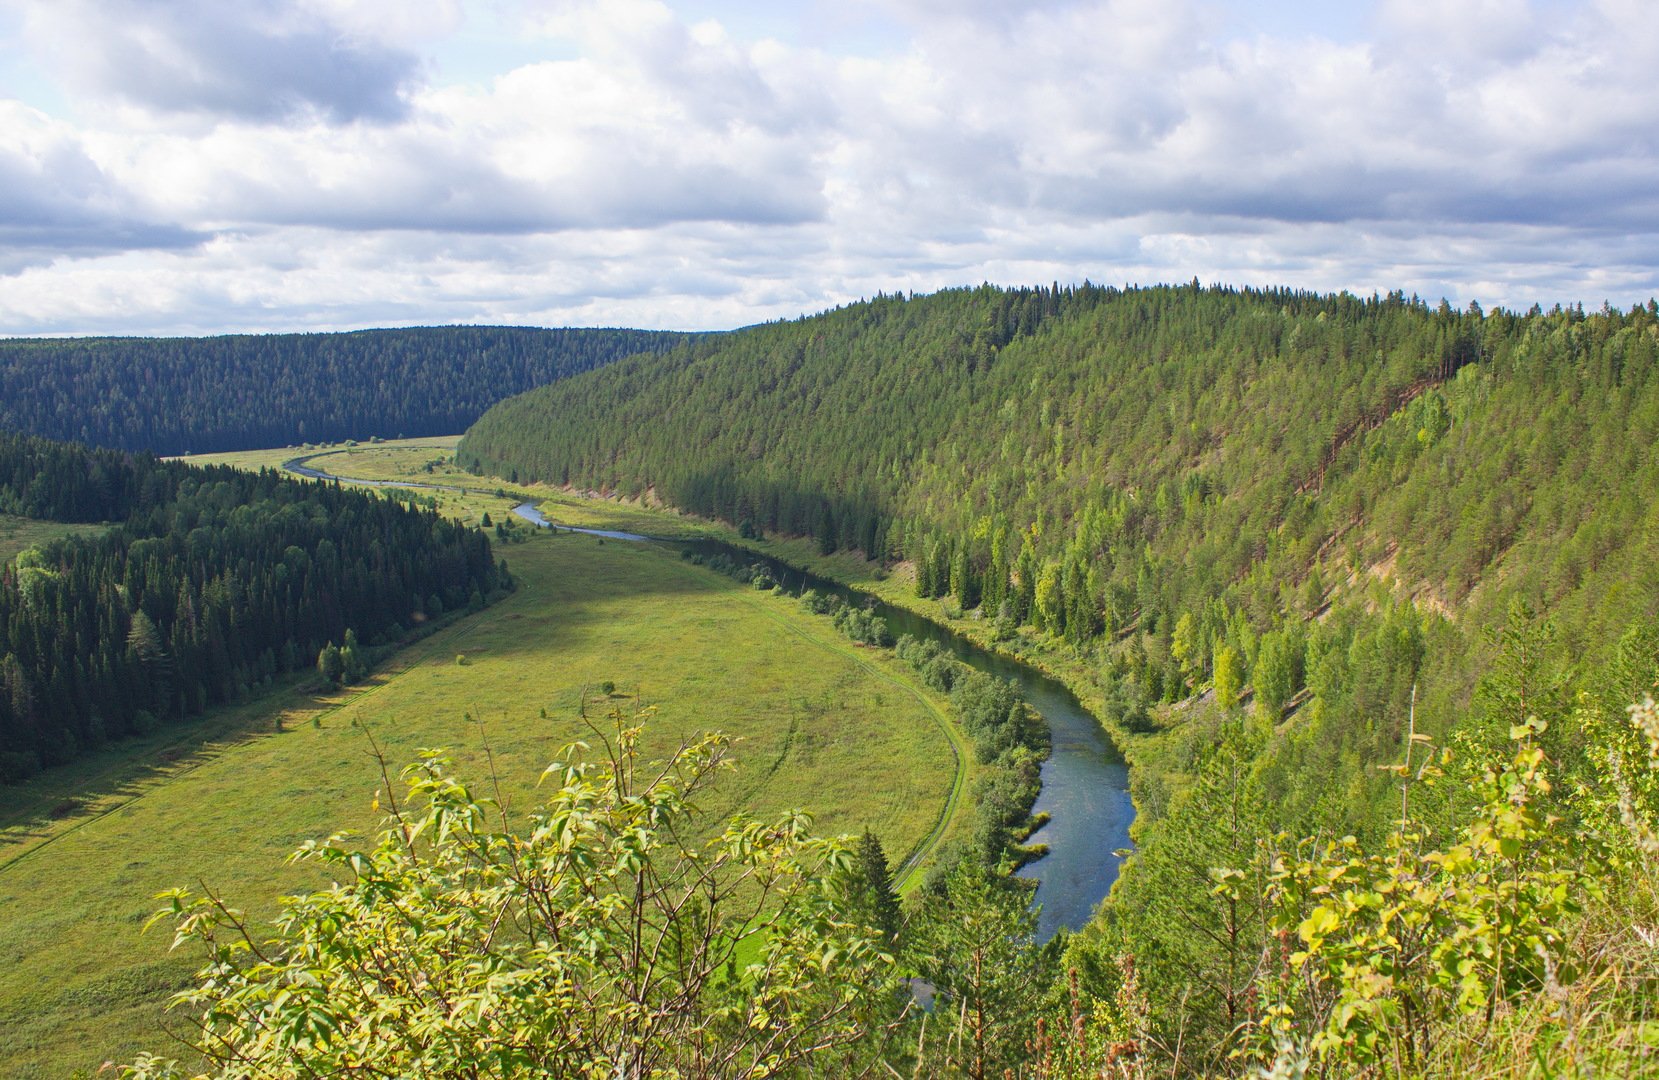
[
  {"x": 225, "y": 799},
  {"x": 1308, "y": 588},
  {"x": 1084, "y": 803},
  {"x": 657, "y": 540}
]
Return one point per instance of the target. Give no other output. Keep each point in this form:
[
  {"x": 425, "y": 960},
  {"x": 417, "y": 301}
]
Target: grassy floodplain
[
  {"x": 431, "y": 461},
  {"x": 825, "y": 724}
]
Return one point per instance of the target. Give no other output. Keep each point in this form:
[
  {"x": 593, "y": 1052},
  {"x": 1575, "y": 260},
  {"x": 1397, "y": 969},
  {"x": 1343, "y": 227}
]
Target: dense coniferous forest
[
  {"x": 1332, "y": 566},
  {"x": 1176, "y": 472},
  {"x": 210, "y": 582},
  {"x": 203, "y": 395}
]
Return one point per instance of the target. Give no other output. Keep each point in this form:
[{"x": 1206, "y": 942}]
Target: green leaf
[{"x": 1320, "y": 923}]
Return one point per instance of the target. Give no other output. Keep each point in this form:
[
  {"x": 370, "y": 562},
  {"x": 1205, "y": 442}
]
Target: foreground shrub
[{"x": 597, "y": 939}]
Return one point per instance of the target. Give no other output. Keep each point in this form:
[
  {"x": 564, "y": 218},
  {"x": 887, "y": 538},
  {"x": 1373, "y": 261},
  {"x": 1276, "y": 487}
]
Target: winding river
[{"x": 1085, "y": 782}]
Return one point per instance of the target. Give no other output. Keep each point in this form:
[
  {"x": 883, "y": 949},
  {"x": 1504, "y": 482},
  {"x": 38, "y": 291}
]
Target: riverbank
[
  {"x": 1146, "y": 757},
  {"x": 895, "y": 585},
  {"x": 1082, "y": 812},
  {"x": 1083, "y": 803}
]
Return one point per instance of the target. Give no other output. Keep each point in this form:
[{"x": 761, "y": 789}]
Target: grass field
[
  {"x": 825, "y": 724},
  {"x": 17, "y": 533},
  {"x": 429, "y": 461},
  {"x": 895, "y": 585}
]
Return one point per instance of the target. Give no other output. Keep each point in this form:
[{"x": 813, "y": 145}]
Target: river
[{"x": 1085, "y": 782}]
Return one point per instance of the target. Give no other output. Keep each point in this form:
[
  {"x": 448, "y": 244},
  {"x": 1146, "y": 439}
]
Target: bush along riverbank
[{"x": 1009, "y": 738}]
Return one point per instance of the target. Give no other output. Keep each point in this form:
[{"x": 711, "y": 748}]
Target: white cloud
[
  {"x": 659, "y": 170},
  {"x": 260, "y": 60},
  {"x": 59, "y": 203}
]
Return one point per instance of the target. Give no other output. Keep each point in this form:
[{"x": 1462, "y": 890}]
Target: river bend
[{"x": 1085, "y": 783}]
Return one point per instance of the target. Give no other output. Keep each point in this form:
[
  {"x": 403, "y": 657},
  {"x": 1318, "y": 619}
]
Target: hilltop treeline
[
  {"x": 212, "y": 581},
  {"x": 201, "y": 395}
]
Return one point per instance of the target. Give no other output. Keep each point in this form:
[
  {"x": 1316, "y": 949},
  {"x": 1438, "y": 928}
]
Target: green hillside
[
  {"x": 1308, "y": 554},
  {"x": 1096, "y": 463}
]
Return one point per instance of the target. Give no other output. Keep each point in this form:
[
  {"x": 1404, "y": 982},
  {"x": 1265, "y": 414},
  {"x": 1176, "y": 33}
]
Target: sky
[{"x": 203, "y": 167}]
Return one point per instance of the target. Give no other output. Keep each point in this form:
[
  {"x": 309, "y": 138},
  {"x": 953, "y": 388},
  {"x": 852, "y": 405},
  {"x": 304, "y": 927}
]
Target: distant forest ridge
[{"x": 203, "y": 395}]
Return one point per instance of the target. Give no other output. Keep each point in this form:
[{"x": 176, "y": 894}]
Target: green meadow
[
  {"x": 824, "y": 724},
  {"x": 17, "y": 533},
  {"x": 430, "y": 460}
]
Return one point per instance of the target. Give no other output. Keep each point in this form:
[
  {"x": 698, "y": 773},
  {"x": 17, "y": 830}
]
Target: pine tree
[
  {"x": 979, "y": 954},
  {"x": 873, "y": 886}
]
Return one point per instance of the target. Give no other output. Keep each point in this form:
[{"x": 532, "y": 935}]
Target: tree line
[
  {"x": 202, "y": 395},
  {"x": 1009, "y": 739},
  {"x": 209, "y": 583}
]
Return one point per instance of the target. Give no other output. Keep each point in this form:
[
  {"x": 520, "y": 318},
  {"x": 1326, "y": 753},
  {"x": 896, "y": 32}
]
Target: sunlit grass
[
  {"x": 431, "y": 461},
  {"x": 824, "y": 724},
  {"x": 17, "y": 533}
]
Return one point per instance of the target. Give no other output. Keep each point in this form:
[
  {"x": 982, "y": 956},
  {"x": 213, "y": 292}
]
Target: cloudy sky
[{"x": 200, "y": 166}]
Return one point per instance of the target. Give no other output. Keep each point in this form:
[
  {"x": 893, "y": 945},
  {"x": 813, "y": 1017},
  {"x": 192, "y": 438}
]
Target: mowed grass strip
[{"x": 824, "y": 726}]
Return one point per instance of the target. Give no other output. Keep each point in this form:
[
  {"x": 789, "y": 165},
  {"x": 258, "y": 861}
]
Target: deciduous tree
[{"x": 598, "y": 938}]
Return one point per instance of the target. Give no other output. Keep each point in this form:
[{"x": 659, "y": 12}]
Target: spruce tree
[{"x": 874, "y": 881}]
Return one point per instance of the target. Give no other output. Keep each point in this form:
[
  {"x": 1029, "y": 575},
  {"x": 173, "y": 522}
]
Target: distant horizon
[
  {"x": 1586, "y": 306},
  {"x": 287, "y": 166}
]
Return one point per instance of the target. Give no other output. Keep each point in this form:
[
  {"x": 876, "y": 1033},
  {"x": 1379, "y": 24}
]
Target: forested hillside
[
  {"x": 1093, "y": 462},
  {"x": 1295, "y": 501},
  {"x": 1332, "y": 567},
  {"x": 213, "y": 581},
  {"x": 201, "y": 395}
]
